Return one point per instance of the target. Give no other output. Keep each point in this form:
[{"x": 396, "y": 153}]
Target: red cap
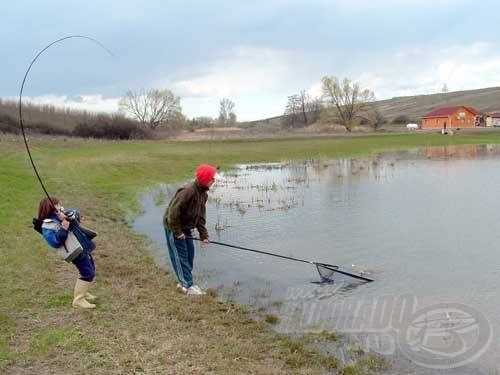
[{"x": 205, "y": 173}]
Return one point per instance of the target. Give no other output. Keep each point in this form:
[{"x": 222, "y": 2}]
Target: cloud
[
  {"x": 257, "y": 79},
  {"x": 89, "y": 102},
  {"x": 421, "y": 70},
  {"x": 315, "y": 91},
  {"x": 364, "y": 6},
  {"x": 247, "y": 70}
]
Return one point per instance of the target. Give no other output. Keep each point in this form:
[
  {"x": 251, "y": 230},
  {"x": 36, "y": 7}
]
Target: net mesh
[{"x": 326, "y": 272}]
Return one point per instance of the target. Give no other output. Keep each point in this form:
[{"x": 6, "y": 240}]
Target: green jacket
[{"x": 187, "y": 210}]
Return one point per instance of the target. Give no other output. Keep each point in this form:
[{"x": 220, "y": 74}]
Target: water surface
[{"x": 422, "y": 222}]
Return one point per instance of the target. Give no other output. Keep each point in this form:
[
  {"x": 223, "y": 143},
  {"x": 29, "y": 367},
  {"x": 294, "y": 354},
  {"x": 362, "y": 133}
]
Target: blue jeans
[
  {"x": 86, "y": 266},
  {"x": 181, "y": 256}
]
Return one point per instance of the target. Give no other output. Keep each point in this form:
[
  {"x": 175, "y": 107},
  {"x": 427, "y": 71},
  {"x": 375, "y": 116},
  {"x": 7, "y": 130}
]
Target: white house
[{"x": 492, "y": 119}]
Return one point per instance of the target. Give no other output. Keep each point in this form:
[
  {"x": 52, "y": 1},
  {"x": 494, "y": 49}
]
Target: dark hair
[{"x": 46, "y": 207}]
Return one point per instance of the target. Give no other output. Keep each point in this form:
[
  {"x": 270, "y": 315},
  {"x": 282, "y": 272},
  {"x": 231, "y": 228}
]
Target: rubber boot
[
  {"x": 90, "y": 297},
  {"x": 81, "y": 289}
]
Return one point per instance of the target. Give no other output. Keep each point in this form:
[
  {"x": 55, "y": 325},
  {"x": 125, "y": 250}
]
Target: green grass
[
  {"x": 55, "y": 340},
  {"x": 58, "y": 301},
  {"x": 141, "y": 323},
  {"x": 365, "y": 366},
  {"x": 271, "y": 319}
]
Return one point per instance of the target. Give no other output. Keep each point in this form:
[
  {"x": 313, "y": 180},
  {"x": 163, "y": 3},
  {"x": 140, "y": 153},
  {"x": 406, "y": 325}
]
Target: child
[
  {"x": 185, "y": 212},
  {"x": 55, "y": 231}
]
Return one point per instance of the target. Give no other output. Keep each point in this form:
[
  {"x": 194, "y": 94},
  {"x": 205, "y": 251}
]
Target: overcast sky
[{"x": 253, "y": 52}]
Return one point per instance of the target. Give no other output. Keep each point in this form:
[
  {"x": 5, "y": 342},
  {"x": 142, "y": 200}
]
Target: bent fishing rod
[
  {"x": 21, "y": 123},
  {"x": 330, "y": 267}
]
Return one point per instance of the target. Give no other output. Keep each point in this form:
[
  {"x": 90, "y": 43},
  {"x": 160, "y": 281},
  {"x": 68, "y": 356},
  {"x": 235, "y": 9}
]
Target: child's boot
[{"x": 81, "y": 289}]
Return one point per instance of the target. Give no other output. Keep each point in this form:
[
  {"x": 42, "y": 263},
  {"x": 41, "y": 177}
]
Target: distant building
[
  {"x": 492, "y": 119},
  {"x": 451, "y": 117}
]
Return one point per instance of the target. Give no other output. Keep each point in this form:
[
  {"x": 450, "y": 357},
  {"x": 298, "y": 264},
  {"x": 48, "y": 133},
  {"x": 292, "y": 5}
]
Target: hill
[
  {"x": 414, "y": 107},
  {"x": 483, "y": 100}
]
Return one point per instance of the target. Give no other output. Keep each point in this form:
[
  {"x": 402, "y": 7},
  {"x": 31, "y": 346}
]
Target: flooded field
[{"x": 422, "y": 223}]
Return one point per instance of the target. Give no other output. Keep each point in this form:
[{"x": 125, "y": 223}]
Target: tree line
[
  {"x": 342, "y": 102},
  {"x": 162, "y": 108}
]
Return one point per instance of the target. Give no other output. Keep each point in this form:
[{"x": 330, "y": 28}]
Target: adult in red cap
[
  {"x": 186, "y": 211},
  {"x": 205, "y": 174}
]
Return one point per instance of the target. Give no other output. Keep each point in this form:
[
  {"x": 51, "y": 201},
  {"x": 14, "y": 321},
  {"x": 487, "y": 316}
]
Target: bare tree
[
  {"x": 304, "y": 101},
  {"x": 301, "y": 110},
  {"x": 292, "y": 111},
  {"x": 152, "y": 107},
  {"x": 346, "y": 98},
  {"x": 227, "y": 115},
  {"x": 313, "y": 109}
]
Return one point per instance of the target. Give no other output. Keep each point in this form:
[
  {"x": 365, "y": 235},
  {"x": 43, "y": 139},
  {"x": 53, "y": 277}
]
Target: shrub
[
  {"x": 45, "y": 128},
  {"x": 401, "y": 119},
  {"x": 8, "y": 124},
  {"x": 110, "y": 127}
]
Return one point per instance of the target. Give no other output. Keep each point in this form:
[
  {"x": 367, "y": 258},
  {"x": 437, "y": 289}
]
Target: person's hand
[
  {"x": 60, "y": 215},
  {"x": 65, "y": 224},
  {"x": 181, "y": 236},
  {"x": 206, "y": 241}
]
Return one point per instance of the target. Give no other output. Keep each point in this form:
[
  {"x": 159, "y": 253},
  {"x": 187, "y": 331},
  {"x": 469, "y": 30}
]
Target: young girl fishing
[
  {"x": 55, "y": 226},
  {"x": 185, "y": 212}
]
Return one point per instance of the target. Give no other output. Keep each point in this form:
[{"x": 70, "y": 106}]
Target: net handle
[{"x": 328, "y": 266}]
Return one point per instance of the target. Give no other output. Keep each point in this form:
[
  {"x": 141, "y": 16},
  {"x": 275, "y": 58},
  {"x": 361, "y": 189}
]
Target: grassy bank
[{"x": 141, "y": 324}]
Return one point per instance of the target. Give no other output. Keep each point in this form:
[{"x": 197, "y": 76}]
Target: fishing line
[{"x": 21, "y": 97}]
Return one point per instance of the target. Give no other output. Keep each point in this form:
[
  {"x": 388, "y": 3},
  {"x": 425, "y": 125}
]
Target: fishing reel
[{"x": 71, "y": 215}]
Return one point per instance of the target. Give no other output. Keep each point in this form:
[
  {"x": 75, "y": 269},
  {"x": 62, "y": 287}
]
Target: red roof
[
  {"x": 448, "y": 111},
  {"x": 494, "y": 114}
]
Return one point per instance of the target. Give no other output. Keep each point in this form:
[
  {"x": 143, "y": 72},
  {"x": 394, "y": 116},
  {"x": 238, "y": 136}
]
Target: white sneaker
[
  {"x": 195, "y": 290},
  {"x": 181, "y": 288}
]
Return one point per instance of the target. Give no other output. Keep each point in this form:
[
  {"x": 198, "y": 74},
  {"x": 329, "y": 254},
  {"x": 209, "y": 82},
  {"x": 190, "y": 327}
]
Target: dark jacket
[
  {"x": 187, "y": 210},
  {"x": 56, "y": 237}
]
